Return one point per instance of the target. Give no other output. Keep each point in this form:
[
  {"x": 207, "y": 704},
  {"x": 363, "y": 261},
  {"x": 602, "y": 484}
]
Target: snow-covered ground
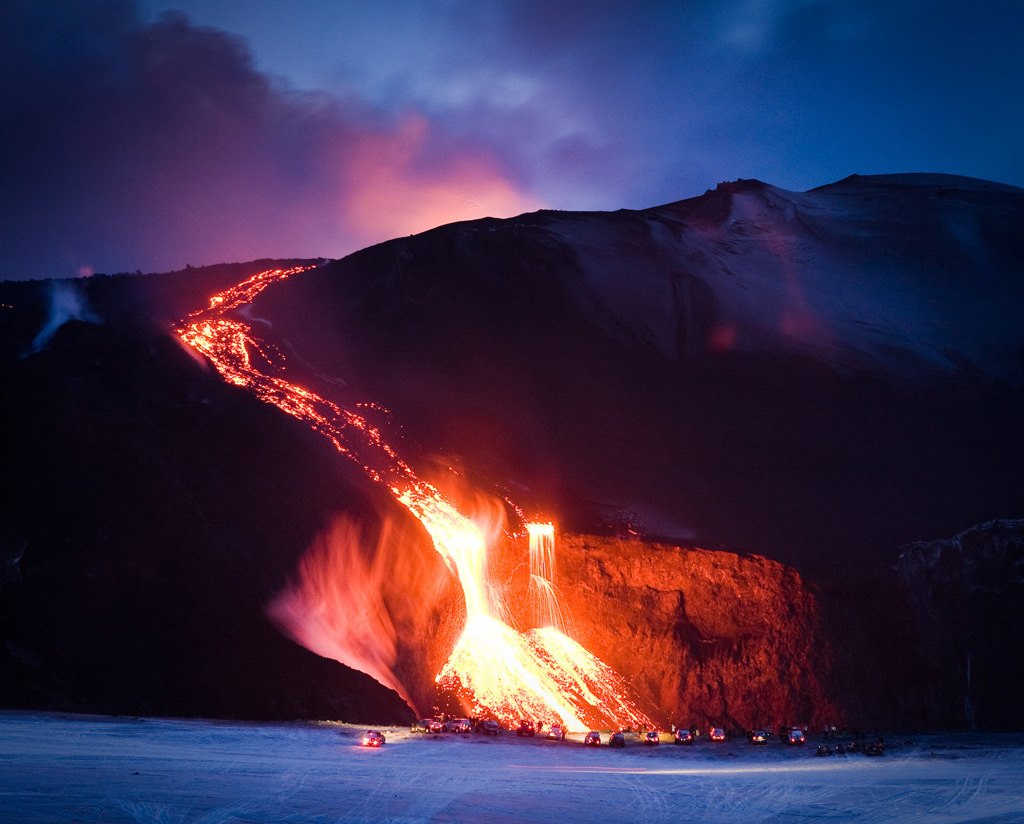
[{"x": 60, "y": 768}]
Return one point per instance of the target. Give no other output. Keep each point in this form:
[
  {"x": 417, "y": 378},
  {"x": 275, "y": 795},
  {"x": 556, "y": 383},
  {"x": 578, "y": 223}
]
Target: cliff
[
  {"x": 702, "y": 637},
  {"x": 965, "y": 595}
]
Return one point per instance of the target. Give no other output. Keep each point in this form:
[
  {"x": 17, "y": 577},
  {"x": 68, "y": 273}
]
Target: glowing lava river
[{"x": 494, "y": 670}]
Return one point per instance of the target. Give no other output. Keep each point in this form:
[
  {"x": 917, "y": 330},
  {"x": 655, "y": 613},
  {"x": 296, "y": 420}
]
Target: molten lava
[
  {"x": 545, "y": 608},
  {"x": 494, "y": 670}
]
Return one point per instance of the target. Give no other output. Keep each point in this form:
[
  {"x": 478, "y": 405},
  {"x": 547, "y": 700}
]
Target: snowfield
[{"x": 63, "y": 768}]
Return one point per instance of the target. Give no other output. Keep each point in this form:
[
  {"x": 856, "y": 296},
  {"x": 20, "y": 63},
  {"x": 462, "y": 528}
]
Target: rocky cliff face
[
  {"x": 715, "y": 637},
  {"x": 703, "y": 637},
  {"x": 966, "y": 595}
]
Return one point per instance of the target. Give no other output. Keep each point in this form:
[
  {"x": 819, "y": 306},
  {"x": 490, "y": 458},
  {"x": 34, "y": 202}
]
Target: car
[
  {"x": 795, "y": 737},
  {"x": 373, "y": 738},
  {"x": 556, "y": 733},
  {"x": 652, "y": 738},
  {"x": 490, "y": 727},
  {"x": 716, "y": 734},
  {"x": 592, "y": 739},
  {"x": 436, "y": 726},
  {"x": 683, "y": 736},
  {"x": 758, "y": 737},
  {"x": 526, "y": 728},
  {"x": 458, "y": 725},
  {"x": 617, "y": 740}
]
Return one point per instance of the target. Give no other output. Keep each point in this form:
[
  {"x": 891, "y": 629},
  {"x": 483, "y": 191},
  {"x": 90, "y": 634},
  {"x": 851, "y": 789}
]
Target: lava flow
[
  {"x": 545, "y": 609},
  {"x": 494, "y": 670}
]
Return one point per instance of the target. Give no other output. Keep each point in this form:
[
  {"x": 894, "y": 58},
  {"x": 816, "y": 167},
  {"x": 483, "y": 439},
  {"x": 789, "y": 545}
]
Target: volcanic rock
[{"x": 703, "y": 637}]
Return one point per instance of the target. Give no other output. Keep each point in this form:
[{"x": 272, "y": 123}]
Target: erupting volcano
[{"x": 493, "y": 669}]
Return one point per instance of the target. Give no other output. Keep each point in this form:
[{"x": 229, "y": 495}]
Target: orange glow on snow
[
  {"x": 722, "y": 338},
  {"x": 495, "y": 670}
]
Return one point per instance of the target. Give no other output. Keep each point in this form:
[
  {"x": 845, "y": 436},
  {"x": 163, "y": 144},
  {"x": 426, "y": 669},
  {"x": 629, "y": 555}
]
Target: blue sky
[{"x": 144, "y": 134}]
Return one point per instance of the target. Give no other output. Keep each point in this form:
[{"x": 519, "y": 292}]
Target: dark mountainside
[
  {"x": 819, "y": 378},
  {"x": 816, "y": 377},
  {"x": 149, "y": 512}
]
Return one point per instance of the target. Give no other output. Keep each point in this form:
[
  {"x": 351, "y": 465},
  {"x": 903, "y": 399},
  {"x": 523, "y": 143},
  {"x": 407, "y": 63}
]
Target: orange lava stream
[
  {"x": 545, "y": 608},
  {"x": 541, "y": 674}
]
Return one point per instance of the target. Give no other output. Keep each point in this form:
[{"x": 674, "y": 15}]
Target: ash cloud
[{"x": 129, "y": 145}]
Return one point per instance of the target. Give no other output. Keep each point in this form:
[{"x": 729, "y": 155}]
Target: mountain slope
[{"x": 817, "y": 376}]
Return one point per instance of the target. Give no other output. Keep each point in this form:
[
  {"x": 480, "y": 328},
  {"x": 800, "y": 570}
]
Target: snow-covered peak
[{"x": 904, "y": 274}]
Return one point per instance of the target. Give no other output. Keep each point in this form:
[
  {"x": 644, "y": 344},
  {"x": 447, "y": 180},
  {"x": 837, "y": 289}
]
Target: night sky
[{"x": 153, "y": 134}]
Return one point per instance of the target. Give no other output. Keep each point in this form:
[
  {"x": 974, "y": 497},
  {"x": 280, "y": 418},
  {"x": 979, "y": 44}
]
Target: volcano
[{"x": 816, "y": 378}]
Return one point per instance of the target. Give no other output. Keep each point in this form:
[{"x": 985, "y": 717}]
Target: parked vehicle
[
  {"x": 462, "y": 725},
  {"x": 716, "y": 734},
  {"x": 373, "y": 738},
  {"x": 592, "y": 739},
  {"x": 490, "y": 727},
  {"x": 758, "y": 737},
  {"x": 796, "y": 737},
  {"x": 526, "y": 728},
  {"x": 652, "y": 738},
  {"x": 683, "y": 736},
  {"x": 428, "y": 725},
  {"x": 556, "y": 733},
  {"x": 617, "y": 740}
]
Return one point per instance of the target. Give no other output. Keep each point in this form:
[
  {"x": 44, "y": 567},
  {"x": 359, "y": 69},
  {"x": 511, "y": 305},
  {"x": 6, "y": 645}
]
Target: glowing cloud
[{"x": 402, "y": 182}]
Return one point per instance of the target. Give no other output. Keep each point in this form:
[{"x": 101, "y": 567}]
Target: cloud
[
  {"x": 399, "y": 183},
  {"x": 131, "y": 146}
]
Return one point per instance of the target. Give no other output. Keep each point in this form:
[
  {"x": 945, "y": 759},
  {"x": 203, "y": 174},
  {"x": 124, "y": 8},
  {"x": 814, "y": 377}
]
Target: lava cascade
[
  {"x": 493, "y": 669},
  {"x": 545, "y": 607}
]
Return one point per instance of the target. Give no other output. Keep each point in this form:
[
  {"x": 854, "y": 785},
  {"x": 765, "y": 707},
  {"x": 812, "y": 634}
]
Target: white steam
[{"x": 67, "y": 302}]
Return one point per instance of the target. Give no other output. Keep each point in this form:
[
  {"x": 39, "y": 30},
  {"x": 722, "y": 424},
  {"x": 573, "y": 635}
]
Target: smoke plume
[{"x": 129, "y": 145}]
